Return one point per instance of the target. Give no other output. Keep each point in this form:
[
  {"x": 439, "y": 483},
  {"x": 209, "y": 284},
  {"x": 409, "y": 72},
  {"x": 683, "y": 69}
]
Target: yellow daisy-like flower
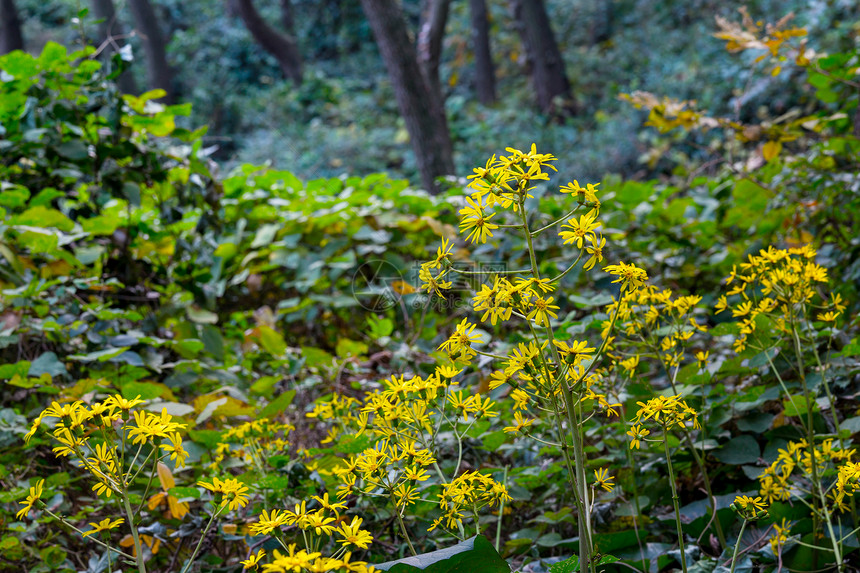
[
  {"x": 32, "y": 498},
  {"x": 352, "y": 534},
  {"x": 269, "y": 522},
  {"x": 631, "y": 277},
  {"x": 104, "y": 525},
  {"x": 476, "y": 223},
  {"x": 637, "y": 433},
  {"x": 235, "y": 493},
  {"x": 603, "y": 479},
  {"x": 253, "y": 560}
]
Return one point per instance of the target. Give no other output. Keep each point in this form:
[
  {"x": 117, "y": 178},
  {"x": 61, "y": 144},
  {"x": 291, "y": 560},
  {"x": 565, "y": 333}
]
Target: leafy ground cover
[{"x": 212, "y": 372}]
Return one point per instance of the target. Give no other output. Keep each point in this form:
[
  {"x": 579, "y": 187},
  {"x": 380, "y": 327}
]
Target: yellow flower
[
  {"x": 542, "y": 310},
  {"x": 253, "y": 560},
  {"x": 32, "y": 498},
  {"x": 461, "y": 341},
  {"x": 596, "y": 252},
  {"x": 631, "y": 277},
  {"x": 603, "y": 479},
  {"x": 637, "y": 433},
  {"x": 235, "y": 493},
  {"x": 521, "y": 423},
  {"x": 352, "y": 534},
  {"x": 122, "y": 403},
  {"x": 476, "y": 223},
  {"x": 104, "y": 525},
  {"x": 749, "y": 508},
  {"x": 269, "y": 522},
  {"x": 580, "y": 229}
]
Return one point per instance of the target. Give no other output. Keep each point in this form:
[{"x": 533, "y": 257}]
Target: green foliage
[{"x": 475, "y": 554}]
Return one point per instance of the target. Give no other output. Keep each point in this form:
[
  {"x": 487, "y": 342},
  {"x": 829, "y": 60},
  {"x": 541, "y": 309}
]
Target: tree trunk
[
  {"x": 157, "y": 69},
  {"x": 11, "y": 37},
  {"x": 283, "y": 47},
  {"x": 422, "y": 111},
  {"x": 547, "y": 66},
  {"x": 112, "y": 32},
  {"x": 485, "y": 75},
  {"x": 430, "y": 34},
  {"x": 288, "y": 21}
]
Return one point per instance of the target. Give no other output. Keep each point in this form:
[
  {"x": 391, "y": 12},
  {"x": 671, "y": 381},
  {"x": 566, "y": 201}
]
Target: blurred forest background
[{"x": 326, "y": 105}]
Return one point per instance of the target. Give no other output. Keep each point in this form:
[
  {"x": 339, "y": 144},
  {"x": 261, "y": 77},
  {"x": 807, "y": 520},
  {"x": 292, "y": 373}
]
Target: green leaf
[
  {"x": 100, "y": 355},
  {"x": 201, "y": 315},
  {"x": 213, "y": 342},
  {"x": 797, "y": 406},
  {"x": 264, "y": 385},
  {"x": 569, "y": 565},
  {"x": 476, "y": 554},
  {"x": 53, "y": 556},
  {"x": 209, "y": 438},
  {"x": 316, "y": 357},
  {"x": 265, "y": 235},
  {"x": 346, "y": 347},
  {"x": 21, "y": 368},
  {"x": 47, "y": 363},
  {"x": 183, "y": 492},
  {"x": 146, "y": 390},
  {"x": 41, "y": 216},
  {"x": 173, "y": 408},
  {"x": 13, "y": 195},
  {"x": 740, "y": 450},
  {"x": 278, "y": 405},
  {"x": 272, "y": 341}
]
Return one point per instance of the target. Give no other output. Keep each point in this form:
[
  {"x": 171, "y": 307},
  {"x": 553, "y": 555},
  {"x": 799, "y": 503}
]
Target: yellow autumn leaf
[
  {"x": 177, "y": 508},
  {"x": 165, "y": 477},
  {"x": 155, "y": 500},
  {"x": 771, "y": 149},
  {"x": 402, "y": 287}
]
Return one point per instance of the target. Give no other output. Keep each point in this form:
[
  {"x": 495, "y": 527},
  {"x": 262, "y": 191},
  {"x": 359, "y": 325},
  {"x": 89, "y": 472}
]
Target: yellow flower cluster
[
  {"x": 296, "y": 561},
  {"x": 644, "y": 312},
  {"x": 324, "y": 521},
  {"x": 469, "y": 492},
  {"x": 793, "y": 468},
  {"x": 252, "y": 442},
  {"x": 779, "y": 283},
  {"x": 390, "y": 469},
  {"x": 750, "y": 508},
  {"x": 668, "y": 411},
  {"x": 402, "y": 419},
  {"x": 31, "y": 499},
  {"x": 229, "y": 493},
  {"x": 525, "y": 296},
  {"x": 96, "y": 437},
  {"x": 536, "y": 379}
]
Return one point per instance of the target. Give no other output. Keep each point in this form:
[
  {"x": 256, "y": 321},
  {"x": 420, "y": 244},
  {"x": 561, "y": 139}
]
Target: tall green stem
[
  {"x": 141, "y": 565},
  {"x": 200, "y": 541},
  {"x": 675, "y": 501},
  {"x": 575, "y": 421},
  {"x": 737, "y": 546},
  {"x": 403, "y": 527}
]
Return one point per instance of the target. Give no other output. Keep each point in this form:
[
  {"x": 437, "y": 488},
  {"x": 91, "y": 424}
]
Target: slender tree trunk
[
  {"x": 112, "y": 32},
  {"x": 283, "y": 47},
  {"x": 158, "y": 70},
  {"x": 421, "y": 109},
  {"x": 430, "y": 34},
  {"x": 11, "y": 37},
  {"x": 288, "y": 20},
  {"x": 547, "y": 66},
  {"x": 485, "y": 75}
]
